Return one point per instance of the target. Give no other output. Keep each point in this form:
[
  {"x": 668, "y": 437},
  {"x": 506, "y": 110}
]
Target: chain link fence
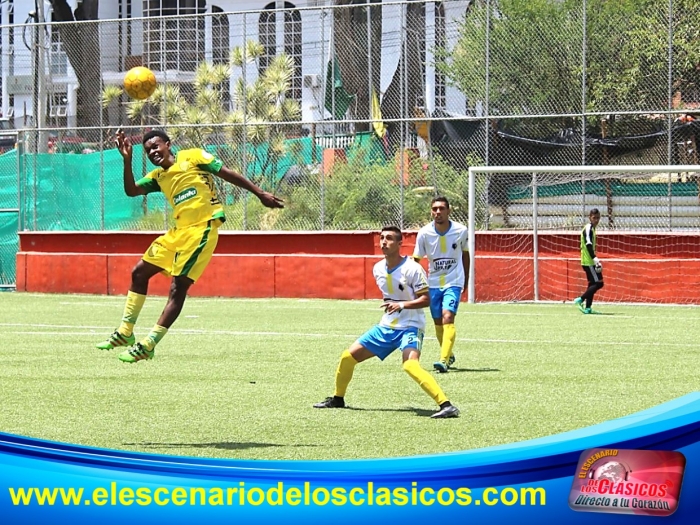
[{"x": 355, "y": 115}]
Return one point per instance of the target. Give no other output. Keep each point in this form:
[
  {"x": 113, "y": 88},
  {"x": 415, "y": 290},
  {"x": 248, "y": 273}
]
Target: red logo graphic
[{"x": 643, "y": 482}]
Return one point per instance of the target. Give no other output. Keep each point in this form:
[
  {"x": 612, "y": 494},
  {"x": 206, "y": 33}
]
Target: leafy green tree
[{"x": 536, "y": 54}]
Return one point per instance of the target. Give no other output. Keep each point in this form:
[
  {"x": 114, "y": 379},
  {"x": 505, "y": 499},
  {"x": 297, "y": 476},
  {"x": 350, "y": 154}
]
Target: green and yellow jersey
[
  {"x": 588, "y": 239},
  {"x": 189, "y": 187}
]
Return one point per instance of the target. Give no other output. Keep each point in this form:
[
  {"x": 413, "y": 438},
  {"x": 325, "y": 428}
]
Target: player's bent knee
[
  {"x": 409, "y": 366},
  {"x": 140, "y": 274},
  {"x": 180, "y": 285}
]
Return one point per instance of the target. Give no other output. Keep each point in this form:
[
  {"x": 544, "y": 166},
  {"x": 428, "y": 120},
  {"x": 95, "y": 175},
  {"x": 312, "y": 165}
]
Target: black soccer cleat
[
  {"x": 445, "y": 412},
  {"x": 331, "y": 402}
]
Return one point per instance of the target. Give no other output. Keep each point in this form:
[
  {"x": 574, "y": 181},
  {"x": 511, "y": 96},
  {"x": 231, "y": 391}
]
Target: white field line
[
  {"x": 611, "y": 316},
  {"x": 363, "y": 308},
  {"x": 186, "y": 332},
  {"x": 100, "y": 300}
]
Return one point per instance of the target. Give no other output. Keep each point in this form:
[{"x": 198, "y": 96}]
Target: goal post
[{"x": 525, "y": 223}]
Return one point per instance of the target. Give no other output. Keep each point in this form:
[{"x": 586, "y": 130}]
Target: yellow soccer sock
[
  {"x": 132, "y": 309},
  {"x": 439, "y": 331},
  {"x": 343, "y": 374},
  {"x": 153, "y": 338},
  {"x": 448, "y": 341},
  {"x": 425, "y": 380}
]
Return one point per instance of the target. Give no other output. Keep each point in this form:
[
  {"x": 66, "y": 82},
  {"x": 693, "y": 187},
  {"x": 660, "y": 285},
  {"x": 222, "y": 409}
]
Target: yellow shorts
[{"x": 184, "y": 251}]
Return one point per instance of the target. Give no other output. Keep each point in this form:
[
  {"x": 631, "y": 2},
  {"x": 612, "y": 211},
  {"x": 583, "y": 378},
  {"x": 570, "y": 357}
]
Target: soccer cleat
[
  {"x": 451, "y": 361},
  {"x": 136, "y": 353},
  {"x": 587, "y": 311},
  {"x": 331, "y": 402},
  {"x": 445, "y": 412},
  {"x": 579, "y": 303},
  {"x": 441, "y": 366},
  {"x": 115, "y": 340}
]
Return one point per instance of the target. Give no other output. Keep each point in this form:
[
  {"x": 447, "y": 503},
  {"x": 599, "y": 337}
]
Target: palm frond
[
  {"x": 110, "y": 93},
  {"x": 257, "y": 132},
  {"x": 277, "y": 144},
  {"x": 203, "y": 75},
  {"x": 253, "y": 50},
  {"x": 277, "y": 78},
  {"x": 208, "y": 99},
  {"x": 220, "y": 73},
  {"x": 166, "y": 93},
  {"x": 236, "y": 57},
  {"x": 172, "y": 113},
  {"x": 240, "y": 89},
  {"x": 135, "y": 109},
  {"x": 290, "y": 110}
]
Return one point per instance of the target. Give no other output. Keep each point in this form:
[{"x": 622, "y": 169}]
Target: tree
[
  {"x": 536, "y": 55},
  {"x": 82, "y": 45}
]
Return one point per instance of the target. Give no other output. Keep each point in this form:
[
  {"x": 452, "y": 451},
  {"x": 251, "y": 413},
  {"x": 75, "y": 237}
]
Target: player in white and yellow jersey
[
  {"x": 445, "y": 244},
  {"x": 404, "y": 288},
  {"x": 185, "y": 178}
]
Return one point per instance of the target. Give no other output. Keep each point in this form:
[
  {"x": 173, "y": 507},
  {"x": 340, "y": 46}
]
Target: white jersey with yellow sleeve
[
  {"x": 444, "y": 253},
  {"x": 189, "y": 187},
  {"x": 403, "y": 283}
]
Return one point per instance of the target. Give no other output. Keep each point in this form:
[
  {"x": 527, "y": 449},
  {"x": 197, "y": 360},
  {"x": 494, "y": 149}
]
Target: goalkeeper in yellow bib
[
  {"x": 591, "y": 263},
  {"x": 445, "y": 244},
  {"x": 186, "y": 180}
]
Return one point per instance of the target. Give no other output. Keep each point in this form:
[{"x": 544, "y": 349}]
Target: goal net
[{"x": 525, "y": 226}]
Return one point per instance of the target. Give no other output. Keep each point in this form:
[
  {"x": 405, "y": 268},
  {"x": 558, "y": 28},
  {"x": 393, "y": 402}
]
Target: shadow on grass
[
  {"x": 417, "y": 411},
  {"x": 221, "y": 446},
  {"x": 458, "y": 370}
]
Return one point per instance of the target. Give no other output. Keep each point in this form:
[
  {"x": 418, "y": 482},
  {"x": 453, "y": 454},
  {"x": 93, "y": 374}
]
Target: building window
[
  {"x": 267, "y": 29},
  {"x": 11, "y": 36},
  {"x": 440, "y": 44},
  {"x": 58, "y": 109},
  {"x": 292, "y": 46},
  {"x": 219, "y": 36},
  {"x": 422, "y": 61},
  {"x": 220, "y": 47},
  {"x": 58, "y": 60},
  {"x": 124, "y": 34},
  {"x": 176, "y": 41}
]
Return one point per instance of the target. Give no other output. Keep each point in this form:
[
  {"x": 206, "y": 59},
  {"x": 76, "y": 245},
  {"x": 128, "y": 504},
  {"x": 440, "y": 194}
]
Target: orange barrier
[{"x": 338, "y": 265}]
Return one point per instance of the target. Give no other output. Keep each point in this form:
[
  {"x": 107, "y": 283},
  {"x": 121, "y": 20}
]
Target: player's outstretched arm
[
  {"x": 268, "y": 199},
  {"x": 125, "y": 149}
]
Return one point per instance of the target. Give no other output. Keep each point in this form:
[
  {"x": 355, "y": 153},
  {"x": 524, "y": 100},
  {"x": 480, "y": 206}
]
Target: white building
[{"x": 174, "y": 45}]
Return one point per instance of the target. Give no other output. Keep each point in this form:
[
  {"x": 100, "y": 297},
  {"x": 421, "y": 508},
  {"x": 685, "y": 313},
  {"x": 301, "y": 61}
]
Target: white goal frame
[{"x": 534, "y": 170}]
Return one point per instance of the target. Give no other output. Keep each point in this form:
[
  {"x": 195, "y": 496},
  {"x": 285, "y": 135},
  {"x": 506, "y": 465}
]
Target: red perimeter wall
[{"x": 338, "y": 265}]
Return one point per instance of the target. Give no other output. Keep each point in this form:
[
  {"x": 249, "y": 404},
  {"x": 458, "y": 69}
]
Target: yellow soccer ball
[{"x": 139, "y": 82}]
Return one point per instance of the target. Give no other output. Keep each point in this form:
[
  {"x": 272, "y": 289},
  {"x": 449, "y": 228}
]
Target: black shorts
[{"x": 592, "y": 275}]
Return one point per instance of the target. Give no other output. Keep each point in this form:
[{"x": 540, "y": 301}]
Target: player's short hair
[
  {"x": 440, "y": 198},
  {"x": 594, "y": 211},
  {"x": 155, "y": 133},
  {"x": 393, "y": 229}
]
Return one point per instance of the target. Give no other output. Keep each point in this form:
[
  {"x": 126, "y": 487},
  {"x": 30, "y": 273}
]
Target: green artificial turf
[{"x": 237, "y": 378}]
